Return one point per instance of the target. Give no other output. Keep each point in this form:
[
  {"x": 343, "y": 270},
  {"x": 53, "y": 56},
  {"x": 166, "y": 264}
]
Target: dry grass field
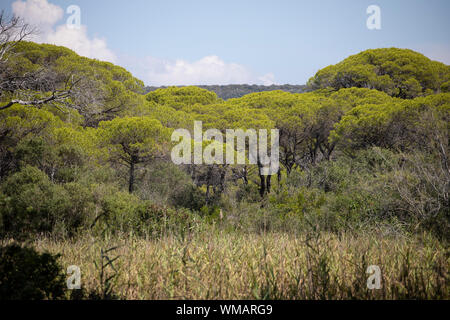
[{"x": 214, "y": 264}]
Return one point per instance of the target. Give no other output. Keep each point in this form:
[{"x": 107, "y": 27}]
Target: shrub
[
  {"x": 31, "y": 203},
  {"x": 119, "y": 211},
  {"x": 26, "y": 274},
  {"x": 189, "y": 197},
  {"x": 158, "y": 221},
  {"x": 247, "y": 192}
]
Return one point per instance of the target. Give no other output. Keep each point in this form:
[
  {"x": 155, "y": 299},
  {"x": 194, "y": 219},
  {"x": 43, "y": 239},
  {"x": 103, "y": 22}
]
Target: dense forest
[
  {"x": 229, "y": 91},
  {"x": 364, "y": 179}
]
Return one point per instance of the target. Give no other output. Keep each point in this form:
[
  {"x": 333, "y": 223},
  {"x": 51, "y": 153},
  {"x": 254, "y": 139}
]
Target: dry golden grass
[{"x": 218, "y": 265}]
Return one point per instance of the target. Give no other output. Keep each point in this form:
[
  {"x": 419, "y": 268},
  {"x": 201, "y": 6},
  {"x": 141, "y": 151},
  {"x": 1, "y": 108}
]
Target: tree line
[{"x": 82, "y": 141}]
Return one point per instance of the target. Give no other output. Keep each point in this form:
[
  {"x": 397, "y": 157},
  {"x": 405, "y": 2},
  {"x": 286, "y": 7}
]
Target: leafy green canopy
[
  {"x": 178, "y": 97},
  {"x": 402, "y": 124},
  {"x": 133, "y": 139},
  {"x": 33, "y": 55},
  {"x": 268, "y": 99},
  {"x": 168, "y": 116},
  {"x": 99, "y": 90},
  {"x": 230, "y": 91},
  {"x": 400, "y": 73}
]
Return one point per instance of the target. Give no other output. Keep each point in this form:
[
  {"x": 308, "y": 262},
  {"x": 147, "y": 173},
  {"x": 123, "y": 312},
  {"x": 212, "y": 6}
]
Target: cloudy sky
[{"x": 235, "y": 41}]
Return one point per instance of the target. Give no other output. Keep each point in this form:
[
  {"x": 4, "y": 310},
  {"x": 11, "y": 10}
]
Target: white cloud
[
  {"x": 207, "y": 70},
  {"x": 38, "y": 12},
  {"x": 45, "y": 15},
  {"x": 267, "y": 79},
  {"x": 79, "y": 41}
]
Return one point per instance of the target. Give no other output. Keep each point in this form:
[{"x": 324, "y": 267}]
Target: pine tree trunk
[{"x": 131, "y": 178}]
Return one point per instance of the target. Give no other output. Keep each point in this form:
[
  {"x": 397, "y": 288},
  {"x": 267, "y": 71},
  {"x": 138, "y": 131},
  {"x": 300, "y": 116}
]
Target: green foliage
[
  {"x": 267, "y": 100},
  {"x": 445, "y": 87},
  {"x": 32, "y": 204},
  {"x": 161, "y": 181},
  {"x": 178, "y": 97},
  {"x": 62, "y": 154},
  {"x": 398, "y": 72},
  {"x": 303, "y": 202},
  {"x": 17, "y": 125},
  {"x": 134, "y": 140},
  {"x": 421, "y": 185},
  {"x": 124, "y": 213},
  {"x": 349, "y": 150},
  {"x": 26, "y": 274},
  {"x": 226, "y": 92},
  {"x": 64, "y": 60},
  {"x": 135, "y": 137},
  {"x": 119, "y": 211},
  {"x": 101, "y": 90},
  {"x": 400, "y": 124},
  {"x": 366, "y": 153},
  {"x": 168, "y": 116},
  {"x": 190, "y": 197},
  {"x": 247, "y": 192}
]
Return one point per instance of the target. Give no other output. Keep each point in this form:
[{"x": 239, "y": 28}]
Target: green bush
[
  {"x": 28, "y": 275},
  {"x": 30, "y": 203},
  {"x": 247, "y": 192},
  {"x": 124, "y": 213},
  {"x": 119, "y": 211},
  {"x": 189, "y": 197},
  {"x": 158, "y": 221},
  {"x": 161, "y": 181}
]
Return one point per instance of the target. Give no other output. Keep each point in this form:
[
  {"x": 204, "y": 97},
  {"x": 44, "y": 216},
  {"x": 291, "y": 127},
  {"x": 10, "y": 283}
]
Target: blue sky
[{"x": 220, "y": 42}]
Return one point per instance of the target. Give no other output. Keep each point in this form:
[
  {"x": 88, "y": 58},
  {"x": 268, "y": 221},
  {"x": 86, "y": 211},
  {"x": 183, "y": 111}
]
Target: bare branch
[{"x": 13, "y": 30}]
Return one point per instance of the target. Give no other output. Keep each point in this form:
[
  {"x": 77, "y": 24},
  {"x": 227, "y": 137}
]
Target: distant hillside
[{"x": 238, "y": 90}]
